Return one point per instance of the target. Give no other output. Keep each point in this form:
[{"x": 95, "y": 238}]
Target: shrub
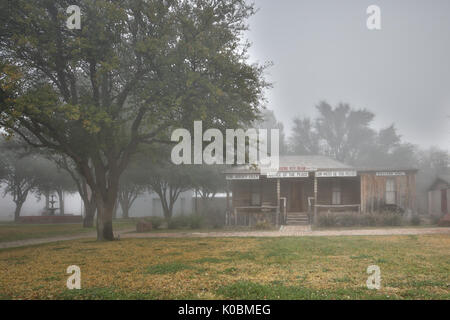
[
  {"x": 156, "y": 221},
  {"x": 415, "y": 220},
  {"x": 263, "y": 225},
  {"x": 435, "y": 219},
  {"x": 348, "y": 220},
  {"x": 178, "y": 222},
  {"x": 368, "y": 220},
  {"x": 193, "y": 221},
  {"x": 351, "y": 219},
  {"x": 390, "y": 219},
  {"x": 327, "y": 220}
]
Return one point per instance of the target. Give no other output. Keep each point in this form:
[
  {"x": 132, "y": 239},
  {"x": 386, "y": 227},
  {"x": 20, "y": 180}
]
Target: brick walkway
[{"x": 291, "y": 231}]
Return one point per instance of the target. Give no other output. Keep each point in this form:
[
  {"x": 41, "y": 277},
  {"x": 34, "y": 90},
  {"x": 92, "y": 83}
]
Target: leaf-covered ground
[{"x": 412, "y": 267}]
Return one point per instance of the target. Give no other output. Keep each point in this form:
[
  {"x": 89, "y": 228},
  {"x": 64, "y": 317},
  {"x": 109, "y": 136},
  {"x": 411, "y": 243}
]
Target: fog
[
  {"x": 33, "y": 206},
  {"x": 322, "y": 50}
]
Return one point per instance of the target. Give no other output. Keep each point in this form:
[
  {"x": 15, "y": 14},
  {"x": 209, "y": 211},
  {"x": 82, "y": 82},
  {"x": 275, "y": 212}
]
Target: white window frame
[
  {"x": 391, "y": 191},
  {"x": 255, "y": 197},
  {"x": 336, "y": 193}
]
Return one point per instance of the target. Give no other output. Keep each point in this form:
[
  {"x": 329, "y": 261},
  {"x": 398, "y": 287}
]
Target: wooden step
[
  {"x": 297, "y": 223},
  {"x": 297, "y": 219}
]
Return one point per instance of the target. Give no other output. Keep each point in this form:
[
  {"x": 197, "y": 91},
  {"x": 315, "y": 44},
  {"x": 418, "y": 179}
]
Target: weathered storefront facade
[{"x": 306, "y": 185}]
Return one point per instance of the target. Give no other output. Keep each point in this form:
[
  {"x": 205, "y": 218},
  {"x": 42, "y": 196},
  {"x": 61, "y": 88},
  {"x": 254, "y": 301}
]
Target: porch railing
[
  {"x": 339, "y": 206},
  {"x": 249, "y": 211}
]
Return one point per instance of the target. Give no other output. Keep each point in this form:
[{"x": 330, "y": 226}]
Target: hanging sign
[
  {"x": 243, "y": 176},
  {"x": 272, "y": 175},
  {"x": 332, "y": 174},
  {"x": 296, "y": 169},
  {"x": 390, "y": 174}
]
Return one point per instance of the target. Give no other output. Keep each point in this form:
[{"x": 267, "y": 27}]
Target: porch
[{"x": 289, "y": 201}]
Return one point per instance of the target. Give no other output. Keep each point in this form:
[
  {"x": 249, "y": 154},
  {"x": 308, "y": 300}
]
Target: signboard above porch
[
  {"x": 287, "y": 174},
  {"x": 391, "y": 174},
  {"x": 243, "y": 176},
  {"x": 333, "y": 174}
]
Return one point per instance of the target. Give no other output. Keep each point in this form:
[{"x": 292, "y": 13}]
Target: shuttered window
[
  {"x": 336, "y": 194},
  {"x": 255, "y": 193},
  {"x": 390, "y": 191}
]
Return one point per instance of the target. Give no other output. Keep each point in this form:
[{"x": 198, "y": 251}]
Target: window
[
  {"x": 390, "y": 191},
  {"x": 336, "y": 194},
  {"x": 256, "y": 195}
]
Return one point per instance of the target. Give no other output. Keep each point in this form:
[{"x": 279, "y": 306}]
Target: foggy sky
[{"x": 322, "y": 50}]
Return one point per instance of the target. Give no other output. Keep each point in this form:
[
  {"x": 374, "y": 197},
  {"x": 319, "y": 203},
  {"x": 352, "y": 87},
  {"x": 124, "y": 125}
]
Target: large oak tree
[{"x": 135, "y": 70}]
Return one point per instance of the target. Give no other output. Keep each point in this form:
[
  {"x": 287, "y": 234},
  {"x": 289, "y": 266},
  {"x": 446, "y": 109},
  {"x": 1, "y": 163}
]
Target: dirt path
[{"x": 283, "y": 232}]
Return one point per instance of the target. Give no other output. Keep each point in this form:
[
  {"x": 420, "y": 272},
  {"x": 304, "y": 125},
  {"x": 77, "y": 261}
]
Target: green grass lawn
[
  {"x": 412, "y": 267},
  {"x": 12, "y": 231}
]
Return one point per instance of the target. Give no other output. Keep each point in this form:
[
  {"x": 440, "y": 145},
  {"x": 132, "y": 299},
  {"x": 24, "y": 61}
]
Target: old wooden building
[{"x": 306, "y": 185}]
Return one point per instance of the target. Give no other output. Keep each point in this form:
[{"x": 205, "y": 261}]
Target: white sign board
[
  {"x": 390, "y": 174},
  {"x": 296, "y": 169},
  {"x": 243, "y": 176},
  {"x": 332, "y": 174},
  {"x": 272, "y": 175}
]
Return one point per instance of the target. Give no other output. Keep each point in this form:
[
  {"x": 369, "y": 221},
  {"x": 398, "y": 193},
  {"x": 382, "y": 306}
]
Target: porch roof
[
  {"x": 297, "y": 163},
  {"x": 316, "y": 163},
  {"x": 440, "y": 178}
]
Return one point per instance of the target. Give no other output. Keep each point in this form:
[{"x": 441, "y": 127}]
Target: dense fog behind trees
[{"x": 341, "y": 132}]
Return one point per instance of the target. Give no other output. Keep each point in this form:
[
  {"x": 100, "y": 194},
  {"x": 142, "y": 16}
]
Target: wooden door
[{"x": 295, "y": 197}]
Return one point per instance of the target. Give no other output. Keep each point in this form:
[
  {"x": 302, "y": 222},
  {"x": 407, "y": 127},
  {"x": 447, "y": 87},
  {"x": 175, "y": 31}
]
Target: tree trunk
[
  {"x": 116, "y": 206},
  {"x": 104, "y": 185},
  {"x": 19, "y": 205},
  {"x": 61, "y": 202},
  {"x": 167, "y": 213},
  {"x": 88, "y": 221},
  {"x": 105, "y": 211},
  {"x": 125, "y": 209},
  {"x": 47, "y": 203}
]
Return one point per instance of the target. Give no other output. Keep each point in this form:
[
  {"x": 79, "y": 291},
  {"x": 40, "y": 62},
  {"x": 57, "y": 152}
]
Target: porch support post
[
  {"x": 227, "y": 215},
  {"x": 278, "y": 202},
  {"x": 362, "y": 195},
  {"x": 315, "y": 199}
]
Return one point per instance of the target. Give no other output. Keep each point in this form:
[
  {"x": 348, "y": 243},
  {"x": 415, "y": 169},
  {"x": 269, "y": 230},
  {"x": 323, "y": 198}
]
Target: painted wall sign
[
  {"x": 331, "y": 174},
  {"x": 390, "y": 174},
  {"x": 273, "y": 175},
  {"x": 243, "y": 176}
]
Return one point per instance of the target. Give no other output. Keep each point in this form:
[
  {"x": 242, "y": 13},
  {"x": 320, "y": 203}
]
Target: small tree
[
  {"x": 20, "y": 175},
  {"x": 168, "y": 181},
  {"x": 84, "y": 190},
  {"x": 208, "y": 180},
  {"x": 132, "y": 184}
]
